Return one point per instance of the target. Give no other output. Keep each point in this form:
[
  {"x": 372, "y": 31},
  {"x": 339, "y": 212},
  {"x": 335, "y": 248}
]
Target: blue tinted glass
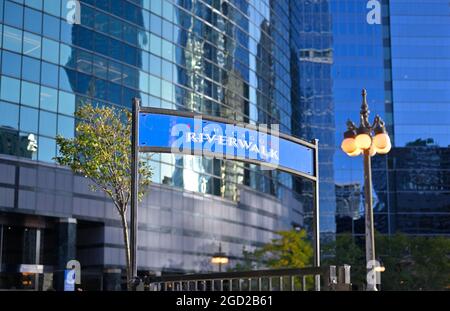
[
  {"x": 167, "y": 30},
  {"x": 101, "y": 22},
  {"x": 31, "y": 45},
  {"x": 86, "y": 16},
  {"x": 66, "y": 126},
  {"x": 101, "y": 89},
  {"x": 100, "y": 65},
  {"x": 155, "y": 65},
  {"x": 46, "y": 148},
  {"x": 12, "y": 39},
  {"x": 11, "y": 63},
  {"x": 166, "y": 70},
  {"x": 168, "y": 10},
  {"x": 167, "y": 90},
  {"x": 130, "y": 54},
  {"x": 50, "y": 50},
  {"x": 155, "y": 45},
  {"x": 33, "y": 20},
  {"x": 49, "y": 75},
  {"x": 85, "y": 38},
  {"x": 13, "y": 14},
  {"x": 115, "y": 49},
  {"x": 83, "y": 83},
  {"x": 155, "y": 6},
  {"x": 47, "y": 123},
  {"x": 130, "y": 33},
  {"x": 52, "y": 7},
  {"x": 31, "y": 69},
  {"x": 51, "y": 27},
  {"x": 10, "y": 89},
  {"x": 30, "y": 94},
  {"x": 114, "y": 92},
  {"x": 49, "y": 98},
  {"x": 66, "y": 32},
  {"x": 115, "y": 27},
  {"x": 66, "y": 103},
  {"x": 37, "y": 4},
  {"x": 28, "y": 120},
  {"x": 101, "y": 44},
  {"x": 67, "y": 79},
  {"x": 155, "y": 86},
  {"x": 9, "y": 116},
  {"x": 155, "y": 24},
  {"x": 65, "y": 55}
]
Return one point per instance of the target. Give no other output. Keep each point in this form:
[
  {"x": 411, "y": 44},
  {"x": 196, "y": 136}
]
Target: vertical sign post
[
  {"x": 134, "y": 189},
  {"x": 316, "y": 226}
]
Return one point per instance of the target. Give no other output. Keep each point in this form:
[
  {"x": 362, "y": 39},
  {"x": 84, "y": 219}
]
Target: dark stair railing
[{"x": 331, "y": 278}]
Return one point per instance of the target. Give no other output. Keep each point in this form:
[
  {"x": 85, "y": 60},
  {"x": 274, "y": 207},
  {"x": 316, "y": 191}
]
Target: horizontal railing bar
[{"x": 242, "y": 274}]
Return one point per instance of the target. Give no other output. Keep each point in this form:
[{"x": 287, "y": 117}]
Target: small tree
[
  {"x": 291, "y": 250},
  {"x": 101, "y": 151}
]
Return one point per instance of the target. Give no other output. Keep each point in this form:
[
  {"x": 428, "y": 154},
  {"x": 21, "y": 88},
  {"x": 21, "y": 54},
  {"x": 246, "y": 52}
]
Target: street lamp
[
  {"x": 219, "y": 258},
  {"x": 368, "y": 140}
]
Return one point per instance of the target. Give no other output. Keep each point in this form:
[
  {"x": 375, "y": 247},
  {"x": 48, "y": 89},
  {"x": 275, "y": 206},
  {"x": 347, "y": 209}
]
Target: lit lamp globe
[
  {"x": 381, "y": 140},
  {"x": 349, "y": 144},
  {"x": 373, "y": 150},
  {"x": 356, "y": 153},
  {"x": 387, "y": 148},
  {"x": 363, "y": 139}
]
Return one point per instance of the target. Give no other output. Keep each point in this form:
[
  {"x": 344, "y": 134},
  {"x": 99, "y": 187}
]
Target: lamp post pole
[
  {"x": 367, "y": 139},
  {"x": 369, "y": 226}
]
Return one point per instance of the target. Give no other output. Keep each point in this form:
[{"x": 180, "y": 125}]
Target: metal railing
[{"x": 330, "y": 277}]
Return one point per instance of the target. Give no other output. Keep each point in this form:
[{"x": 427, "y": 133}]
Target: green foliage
[
  {"x": 101, "y": 151},
  {"x": 291, "y": 250},
  {"x": 411, "y": 263},
  {"x": 414, "y": 263}
]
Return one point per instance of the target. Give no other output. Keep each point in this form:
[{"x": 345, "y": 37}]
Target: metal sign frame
[{"x": 137, "y": 109}]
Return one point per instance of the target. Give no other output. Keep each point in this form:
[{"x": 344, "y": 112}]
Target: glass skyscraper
[
  {"x": 402, "y": 61},
  {"x": 231, "y": 59},
  {"x": 297, "y": 63}
]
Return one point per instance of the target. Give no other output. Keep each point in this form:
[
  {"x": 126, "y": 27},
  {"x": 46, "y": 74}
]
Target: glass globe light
[
  {"x": 381, "y": 140},
  {"x": 356, "y": 153},
  {"x": 349, "y": 145},
  {"x": 363, "y": 141},
  {"x": 386, "y": 149},
  {"x": 373, "y": 150}
]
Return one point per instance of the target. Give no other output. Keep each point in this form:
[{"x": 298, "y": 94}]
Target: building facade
[
  {"x": 398, "y": 50},
  {"x": 221, "y": 58}
]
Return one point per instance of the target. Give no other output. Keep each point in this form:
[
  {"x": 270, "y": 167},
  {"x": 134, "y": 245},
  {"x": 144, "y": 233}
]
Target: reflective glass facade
[
  {"x": 231, "y": 59},
  {"x": 299, "y": 64},
  {"x": 403, "y": 63}
]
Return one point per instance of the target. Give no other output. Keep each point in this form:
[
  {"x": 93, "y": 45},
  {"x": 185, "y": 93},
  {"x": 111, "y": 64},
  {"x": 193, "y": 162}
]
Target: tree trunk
[{"x": 126, "y": 241}]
